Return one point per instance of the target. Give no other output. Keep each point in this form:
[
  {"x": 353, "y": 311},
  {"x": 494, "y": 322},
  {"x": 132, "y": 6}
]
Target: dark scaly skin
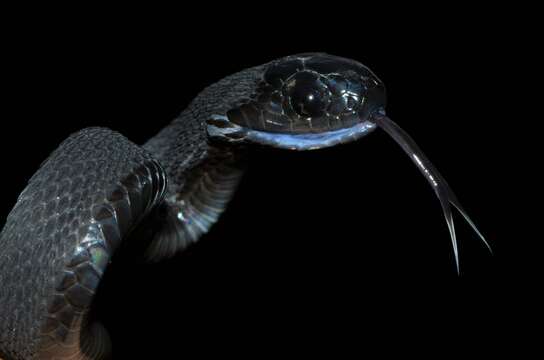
[
  {"x": 97, "y": 188},
  {"x": 202, "y": 175},
  {"x": 59, "y": 237},
  {"x": 52, "y": 252}
]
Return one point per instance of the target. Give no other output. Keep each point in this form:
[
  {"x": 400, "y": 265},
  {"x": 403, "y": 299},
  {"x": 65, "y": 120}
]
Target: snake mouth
[
  {"x": 311, "y": 141},
  {"x": 220, "y": 127}
]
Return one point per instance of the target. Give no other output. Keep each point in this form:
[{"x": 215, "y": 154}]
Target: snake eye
[{"x": 307, "y": 94}]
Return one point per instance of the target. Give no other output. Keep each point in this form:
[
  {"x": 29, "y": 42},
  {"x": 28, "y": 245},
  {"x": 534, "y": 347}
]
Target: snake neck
[
  {"x": 202, "y": 179},
  {"x": 202, "y": 176}
]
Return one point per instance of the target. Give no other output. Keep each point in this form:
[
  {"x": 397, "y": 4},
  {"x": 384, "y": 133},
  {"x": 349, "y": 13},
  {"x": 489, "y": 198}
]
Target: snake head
[
  {"x": 312, "y": 101},
  {"x": 304, "y": 102}
]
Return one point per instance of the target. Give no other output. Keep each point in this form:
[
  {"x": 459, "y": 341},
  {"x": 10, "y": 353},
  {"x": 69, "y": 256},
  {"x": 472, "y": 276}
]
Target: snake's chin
[{"x": 220, "y": 128}]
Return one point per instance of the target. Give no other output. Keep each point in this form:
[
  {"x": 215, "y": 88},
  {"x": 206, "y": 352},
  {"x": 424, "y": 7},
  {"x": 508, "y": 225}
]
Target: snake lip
[
  {"x": 311, "y": 141},
  {"x": 221, "y": 128}
]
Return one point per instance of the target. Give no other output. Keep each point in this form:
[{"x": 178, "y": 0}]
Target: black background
[{"x": 329, "y": 244}]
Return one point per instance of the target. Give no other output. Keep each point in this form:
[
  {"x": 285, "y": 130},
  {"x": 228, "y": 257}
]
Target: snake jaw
[
  {"x": 443, "y": 191},
  {"x": 222, "y": 129},
  {"x": 311, "y": 141}
]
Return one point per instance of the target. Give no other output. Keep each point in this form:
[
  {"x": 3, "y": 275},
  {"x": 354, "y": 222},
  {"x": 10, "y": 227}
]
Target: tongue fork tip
[{"x": 435, "y": 179}]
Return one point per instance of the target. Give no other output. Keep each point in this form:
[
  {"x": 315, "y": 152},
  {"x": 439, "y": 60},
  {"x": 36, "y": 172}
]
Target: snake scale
[{"x": 99, "y": 190}]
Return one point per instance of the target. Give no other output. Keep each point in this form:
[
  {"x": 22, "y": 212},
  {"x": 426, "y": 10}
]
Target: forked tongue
[{"x": 438, "y": 183}]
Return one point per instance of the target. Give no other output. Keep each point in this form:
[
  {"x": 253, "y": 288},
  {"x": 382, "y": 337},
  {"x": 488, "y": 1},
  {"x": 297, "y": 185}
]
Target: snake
[{"x": 98, "y": 192}]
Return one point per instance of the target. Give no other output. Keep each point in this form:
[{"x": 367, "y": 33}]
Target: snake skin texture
[
  {"x": 84, "y": 201},
  {"x": 59, "y": 238},
  {"x": 202, "y": 176},
  {"x": 99, "y": 191}
]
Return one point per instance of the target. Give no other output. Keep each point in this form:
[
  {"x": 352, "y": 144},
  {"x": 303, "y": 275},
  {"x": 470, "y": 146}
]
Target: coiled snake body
[{"x": 92, "y": 193}]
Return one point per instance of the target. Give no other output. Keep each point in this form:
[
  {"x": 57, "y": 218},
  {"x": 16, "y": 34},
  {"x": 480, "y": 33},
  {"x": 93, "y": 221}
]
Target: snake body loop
[{"x": 85, "y": 200}]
